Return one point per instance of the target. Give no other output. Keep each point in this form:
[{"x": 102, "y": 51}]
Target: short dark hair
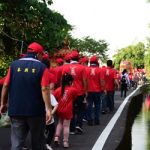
[
  {"x": 124, "y": 71},
  {"x": 109, "y": 63}
]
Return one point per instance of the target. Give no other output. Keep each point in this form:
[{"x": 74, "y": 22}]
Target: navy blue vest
[{"x": 25, "y": 96}]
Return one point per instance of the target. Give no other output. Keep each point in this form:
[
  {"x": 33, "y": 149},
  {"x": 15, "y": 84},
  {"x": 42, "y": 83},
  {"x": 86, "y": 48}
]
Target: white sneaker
[
  {"x": 48, "y": 147},
  {"x": 79, "y": 129}
]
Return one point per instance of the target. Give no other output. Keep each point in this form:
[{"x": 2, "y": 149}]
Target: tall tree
[
  {"x": 133, "y": 53},
  {"x": 147, "y": 58},
  {"x": 89, "y": 46},
  {"x": 30, "y": 20}
]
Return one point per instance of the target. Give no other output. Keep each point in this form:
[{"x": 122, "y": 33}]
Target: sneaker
[
  {"x": 24, "y": 148},
  {"x": 104, "y": 112},
  {"x": 48, "y": 147},
  {"x": 84, "y": 120},
  {"x": 66, "y": 144},
  {"x": 56, "y": 141},
  {"x": 79, "y": 129},
  {"x": 72, "y": 133}
]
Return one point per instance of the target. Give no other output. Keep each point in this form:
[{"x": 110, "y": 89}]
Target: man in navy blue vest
[{"x": 27, "y": 88}]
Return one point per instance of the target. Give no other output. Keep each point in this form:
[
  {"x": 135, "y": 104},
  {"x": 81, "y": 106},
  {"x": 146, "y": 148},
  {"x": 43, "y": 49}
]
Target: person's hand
[
  {"x": 86, "y": 95},
  {"x": 3, "y": 109},
  {"x": 48, "y": 116},
  {"x": 118, "y": 88},
  {"x": 105, "y": 92}
]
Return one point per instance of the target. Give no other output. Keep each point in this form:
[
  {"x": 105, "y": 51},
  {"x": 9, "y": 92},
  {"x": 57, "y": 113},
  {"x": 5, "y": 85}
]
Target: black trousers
[
  {"x": 123, "y": 90},
  {"x": 50, "y": 132}
]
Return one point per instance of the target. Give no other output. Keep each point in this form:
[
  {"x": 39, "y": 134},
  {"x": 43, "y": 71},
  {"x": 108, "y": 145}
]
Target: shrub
[{"x": 4, "y": 64}]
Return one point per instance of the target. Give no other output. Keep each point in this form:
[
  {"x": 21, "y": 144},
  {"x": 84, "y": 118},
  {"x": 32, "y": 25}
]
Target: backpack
[{"x": 123, "y": 79}]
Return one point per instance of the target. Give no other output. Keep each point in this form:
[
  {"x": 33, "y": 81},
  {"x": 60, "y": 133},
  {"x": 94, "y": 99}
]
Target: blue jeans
[
  {"x": 104, "y": 101},
  {"x": 110, "y": 100},
  {"x": 94, "y": 98},
  {"x": 21, "y": 126}
]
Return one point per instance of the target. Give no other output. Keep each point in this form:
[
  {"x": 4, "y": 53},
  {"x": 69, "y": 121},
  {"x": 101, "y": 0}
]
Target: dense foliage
[
  {"x": 89, "y": 46},
  {"x": 30, "y": 20},
  {"x": 24, "y": 21},
  {"x": 133, "y": 53},
  {"x": 147, "y": 58}
]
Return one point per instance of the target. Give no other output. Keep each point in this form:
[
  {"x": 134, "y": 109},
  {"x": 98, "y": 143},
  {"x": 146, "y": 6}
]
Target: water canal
[
  {"x": 137, "y": 129},
  {"x": 141, "y": 127}
]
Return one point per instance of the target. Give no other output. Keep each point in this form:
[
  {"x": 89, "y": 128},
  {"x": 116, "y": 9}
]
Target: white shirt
[{"x": 127, "y": 78}]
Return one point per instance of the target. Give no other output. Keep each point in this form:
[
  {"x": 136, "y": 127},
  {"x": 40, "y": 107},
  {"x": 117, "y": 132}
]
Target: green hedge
[{"x": 4, "y": 64}]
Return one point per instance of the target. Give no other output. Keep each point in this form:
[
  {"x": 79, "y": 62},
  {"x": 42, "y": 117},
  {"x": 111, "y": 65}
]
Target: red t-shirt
[
  {"x": 58, "y": 74},
  {"x": 110, "y": 76},
  {"x": 44, "y": 82},
  {"x": 52, "y": 78},
  {"x": 78, "y": 72},
  {"x": 94, "y": 76},
  {"x": 2, "y": 81},
  {"x": 65, "y": 102},
  {"x": 52, "y": 70}
]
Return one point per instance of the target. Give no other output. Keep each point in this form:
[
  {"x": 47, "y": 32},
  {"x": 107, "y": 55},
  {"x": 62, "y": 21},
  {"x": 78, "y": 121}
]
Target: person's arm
[
  {"x": 4, "y": 99},
  {"x": 103, "y": 85},
  {"x": 46, "y": 98},
  {"x": 46, "y": 95},
  {"x": 117, "y": 83},
  {"x": 85, "y": 83},
  {"x": 52, "y": 85},
  {"x": 54, "y": 109},
  {"x": 102, "y": 80},
  {"x": 4, "y": 93}
]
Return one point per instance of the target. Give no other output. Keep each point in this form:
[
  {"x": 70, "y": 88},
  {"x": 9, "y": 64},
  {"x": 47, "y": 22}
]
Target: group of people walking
[{"x": 38, "y": 97}]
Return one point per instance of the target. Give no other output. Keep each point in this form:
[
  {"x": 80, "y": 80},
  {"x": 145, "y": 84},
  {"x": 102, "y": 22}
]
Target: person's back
[
  {"x": 65, "y": 105},
  {"x": 110, "y": 76},
  {"x": 110, "y": 80},
  {"x": 25, "y": 88},
  {"x": 28, "y": 84},
  {"x": 93, "y": 79},
  {"x": 93, "y": 76},
  {"x": 65, "y": 96},
  {"x": 78, "y": 72},
  {"x": 124, "y": 82}
]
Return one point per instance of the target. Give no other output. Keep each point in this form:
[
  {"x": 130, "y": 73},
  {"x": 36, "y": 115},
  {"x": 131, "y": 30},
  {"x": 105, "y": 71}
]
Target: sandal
[
  {"x": 66, "y": 144},
  {"x": 56, "y": 141}
]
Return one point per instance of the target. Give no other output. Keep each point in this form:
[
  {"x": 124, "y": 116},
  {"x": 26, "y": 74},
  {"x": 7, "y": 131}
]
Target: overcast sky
[{"x": 119, "y": 22}]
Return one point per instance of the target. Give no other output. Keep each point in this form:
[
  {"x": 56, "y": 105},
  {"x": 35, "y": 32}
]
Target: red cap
[
  {"x": 67, "y": 57},
  {"x": 59, "y": 61},
  {"x": 84, "y": 59},
  {"x": 45, "y": 56},
  {"x": 22, "y": 55},
  {"x": 74, "y": 54},
  {"x": 93, "y": 59},
  {"x": 103, "y": 66},
  {"x": 35, "y": 47}
]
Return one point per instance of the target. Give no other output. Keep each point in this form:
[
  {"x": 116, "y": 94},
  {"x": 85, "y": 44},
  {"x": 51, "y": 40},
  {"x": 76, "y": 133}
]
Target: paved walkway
[{"x": 84, "y": 141}]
